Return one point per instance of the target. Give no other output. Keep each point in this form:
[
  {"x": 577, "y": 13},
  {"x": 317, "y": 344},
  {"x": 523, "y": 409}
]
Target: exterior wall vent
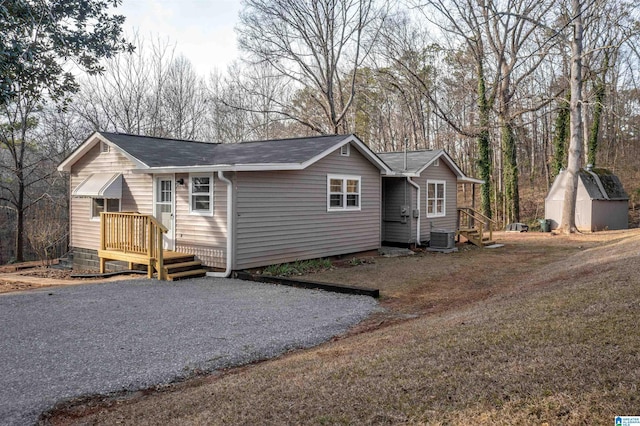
[{"x": 442, "y": 239}]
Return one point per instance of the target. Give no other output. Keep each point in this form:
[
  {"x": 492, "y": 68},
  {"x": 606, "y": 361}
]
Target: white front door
[{"x": 164, "y": 208}]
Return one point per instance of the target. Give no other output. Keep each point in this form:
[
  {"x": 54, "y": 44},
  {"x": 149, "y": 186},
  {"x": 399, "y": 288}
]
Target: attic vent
[
  {"x": 436, "y": 162},
  {"x": 442, "y": 239},
  {"x": 104, "y": 147},
  {"x": 344, "y": 150}
]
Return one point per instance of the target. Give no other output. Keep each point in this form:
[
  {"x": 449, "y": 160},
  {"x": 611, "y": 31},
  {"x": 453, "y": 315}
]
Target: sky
[{"x": 202, "y": 30}]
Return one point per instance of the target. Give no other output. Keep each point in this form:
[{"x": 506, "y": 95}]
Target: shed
[{"x": 601, "y": 202}]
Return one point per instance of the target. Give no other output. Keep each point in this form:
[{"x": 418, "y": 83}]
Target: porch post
[{"x": 103, "y": 244}]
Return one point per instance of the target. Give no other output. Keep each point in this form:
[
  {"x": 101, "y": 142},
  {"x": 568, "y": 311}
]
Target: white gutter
[
  {"x": 415, "y": 185},
  {"x": 230, "y": 235}
]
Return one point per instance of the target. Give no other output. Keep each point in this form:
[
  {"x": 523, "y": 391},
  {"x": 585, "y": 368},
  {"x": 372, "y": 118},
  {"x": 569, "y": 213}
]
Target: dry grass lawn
[{"x": 542, "y": 331}]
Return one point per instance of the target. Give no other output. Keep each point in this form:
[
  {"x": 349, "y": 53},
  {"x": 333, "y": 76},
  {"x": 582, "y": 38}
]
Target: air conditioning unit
[{"x": 441, "y": 239}]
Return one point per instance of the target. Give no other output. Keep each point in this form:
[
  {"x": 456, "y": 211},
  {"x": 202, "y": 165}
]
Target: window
[
  {"x": 436, "y": 163},
  {"x": 201, "y": 194},
  {"x": 436, "y": 198},
  {"x": 345, "y": 150},
  {"x": 99, "y": 205},
  {"x": 343, "y": 193}
]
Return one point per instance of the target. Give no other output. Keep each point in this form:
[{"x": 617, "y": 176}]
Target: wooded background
[{"x": 488, "y": 81}]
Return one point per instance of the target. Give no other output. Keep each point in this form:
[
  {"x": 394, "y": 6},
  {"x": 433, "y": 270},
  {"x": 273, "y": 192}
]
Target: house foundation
[{"x": 88, "y": 260}]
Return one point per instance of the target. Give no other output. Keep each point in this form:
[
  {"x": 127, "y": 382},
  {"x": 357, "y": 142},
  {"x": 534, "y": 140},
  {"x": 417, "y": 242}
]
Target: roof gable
[
  {"x": 418, "y": 161},
  {"x": 152, "y": 153}
]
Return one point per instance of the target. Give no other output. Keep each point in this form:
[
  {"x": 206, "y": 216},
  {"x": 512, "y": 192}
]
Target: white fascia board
[
  {"x": 462, "y": 178},
  {"x": 452, "y": 165},
  {"x": 139, "y": 164},
  {"x": 359, "y": 145},
  {"x": 88, "y": 144},
  {"x": 467, "y": 179},
  {"x": 223, "y": 168},
  {"x": 369, "y": 154},
  {"x": 80, "y": 151}
]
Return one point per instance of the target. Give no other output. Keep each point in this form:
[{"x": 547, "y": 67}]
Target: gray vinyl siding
[
  {"x": 282, "y": 216},
  {"x": 136, "y": 194},
  {"x": 397, "y": 192},
  {"x": 442, "y": 172},
  {"x": 203, "y": 236}
]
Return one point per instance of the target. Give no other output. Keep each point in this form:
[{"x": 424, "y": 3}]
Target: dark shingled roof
[
  {"x": 610, "y": 184},
  {"x": 161, "y": 152},
  {"x": 416, "y": 160}
]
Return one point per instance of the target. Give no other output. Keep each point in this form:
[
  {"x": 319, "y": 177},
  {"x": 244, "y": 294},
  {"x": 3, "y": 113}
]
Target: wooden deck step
[
  {"x": 192, "y": 273},
  {"x": 174, "y": 257},
  {"x": 182, "y": 266},
  {"x": 473, "y": 236}
]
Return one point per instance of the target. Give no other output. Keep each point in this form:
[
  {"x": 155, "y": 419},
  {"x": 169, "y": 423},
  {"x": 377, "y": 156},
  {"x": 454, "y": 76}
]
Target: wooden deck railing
[
  {"x": 132, "y": 237},
  {"x": 470, "y": 218}
]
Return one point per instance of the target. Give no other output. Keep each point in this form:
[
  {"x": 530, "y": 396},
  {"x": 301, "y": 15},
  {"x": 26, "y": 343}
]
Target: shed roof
[
  {"x": 184, "y": 155},
  {"x": 602, "y": 184},
  {"x": 417, "y": 161}
]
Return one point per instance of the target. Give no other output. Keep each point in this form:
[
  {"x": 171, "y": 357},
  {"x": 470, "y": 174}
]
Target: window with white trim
[
  {"x": 436, "y": 198},
  {"x": 201, "y": 194},
  {"x": 345, "y": 150},
  {"x": 99, "y": 205},
  {"x": 343, "y": 192}
]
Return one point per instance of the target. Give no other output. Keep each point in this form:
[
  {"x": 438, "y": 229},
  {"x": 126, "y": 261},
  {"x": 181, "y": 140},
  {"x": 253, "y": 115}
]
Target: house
[
  {"x": 420, "y": 196},
  {"x": 601, "y": 201},
  {"x": 233, "y": 206},
  {"x": 155, "y": 201}
]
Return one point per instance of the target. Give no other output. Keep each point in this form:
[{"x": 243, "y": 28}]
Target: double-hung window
[
  {"x": 99, "y": 205},
  {"x": 436, "y": 198},
  {"x": 201, "y": 194},
  {"x": 343, "y": 192}
]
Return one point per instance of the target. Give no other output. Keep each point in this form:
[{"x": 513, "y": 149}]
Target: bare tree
[
  {"x": 183, "y": 101},
  {"x": 317, "y": 46},
  {"x": 568, "y": 223}
]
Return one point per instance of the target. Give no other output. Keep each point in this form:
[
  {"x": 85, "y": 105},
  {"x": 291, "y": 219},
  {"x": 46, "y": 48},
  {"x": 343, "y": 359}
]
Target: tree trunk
[
  {"x": 568, "y": 224},
  {"x": 20, "y": 220},
  {"x": 592, "y": 146},
  {"x": 511, "y": 190},
  {"x": 484, "y": 162},
  {"x": 560, "y": 136}
]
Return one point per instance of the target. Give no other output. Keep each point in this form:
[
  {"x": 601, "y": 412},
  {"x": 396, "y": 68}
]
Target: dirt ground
[
  {"x": 31, "y": 277},
  {"x": 472, "y": 317}
]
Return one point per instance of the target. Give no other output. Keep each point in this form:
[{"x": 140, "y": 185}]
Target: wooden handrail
[
  {"x": 476, "y": 213},
  {"x": 135, "y": 233},
  {"x": 473, "y": 216}
]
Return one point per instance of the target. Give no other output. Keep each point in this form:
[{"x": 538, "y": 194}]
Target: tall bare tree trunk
[
  {"x": 568, "y": 224},
  {"x": 484, "y": 148}
]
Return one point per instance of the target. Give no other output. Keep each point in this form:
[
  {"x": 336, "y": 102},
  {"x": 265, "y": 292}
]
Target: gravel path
[{"x": 94, "y": 339}]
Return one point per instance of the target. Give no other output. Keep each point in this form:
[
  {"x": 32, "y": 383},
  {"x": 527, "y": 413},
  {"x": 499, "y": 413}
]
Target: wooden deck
[{"x": 175, "y": 265}]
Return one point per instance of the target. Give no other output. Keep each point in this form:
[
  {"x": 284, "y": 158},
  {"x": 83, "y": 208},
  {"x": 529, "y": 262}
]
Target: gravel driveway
[{"x": 91, "y": 339}]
